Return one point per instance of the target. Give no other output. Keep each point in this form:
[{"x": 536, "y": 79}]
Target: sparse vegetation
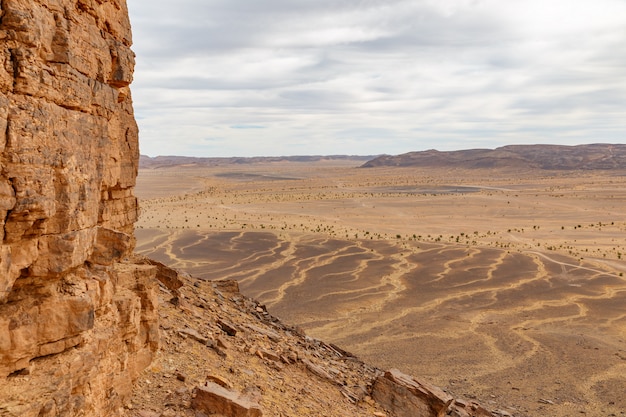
[{"x": 367, "y": 216}]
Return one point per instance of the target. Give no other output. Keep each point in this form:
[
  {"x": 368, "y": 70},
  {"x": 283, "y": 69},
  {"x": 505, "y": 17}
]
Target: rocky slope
[
  {"x": 549, "y": 157},
  {"x": 223, "y": 354},
  {"x": 77, "y": 321}
]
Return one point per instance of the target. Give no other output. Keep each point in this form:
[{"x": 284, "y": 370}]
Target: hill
[
  {"x": 547, "y": 157},
  {"x": 222, "y": 352},
  {"x": 168, "y": 161}
]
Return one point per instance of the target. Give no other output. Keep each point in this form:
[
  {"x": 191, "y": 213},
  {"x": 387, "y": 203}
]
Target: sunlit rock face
[{"x": 77, "y": 317}]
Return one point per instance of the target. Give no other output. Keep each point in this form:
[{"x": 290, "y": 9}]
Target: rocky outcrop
[
  {"x": 213, "y": 398},
  {"x": 407, "y": 396},
  {"x": 223, "y": 354},
  {"x": 77, "y": 316}
]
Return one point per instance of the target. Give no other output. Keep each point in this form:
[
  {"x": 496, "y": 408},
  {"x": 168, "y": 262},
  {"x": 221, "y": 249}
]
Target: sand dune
[{"x": 508, "y": 289}]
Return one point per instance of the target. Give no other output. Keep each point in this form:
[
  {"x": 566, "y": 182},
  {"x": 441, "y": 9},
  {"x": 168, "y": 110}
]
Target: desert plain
[{"x": 501, "y": 285}]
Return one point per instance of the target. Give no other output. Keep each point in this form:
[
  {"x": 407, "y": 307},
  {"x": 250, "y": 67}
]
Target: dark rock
[
  {"x": 226, "y": 286},
  {"x": 228, "y": 328}
]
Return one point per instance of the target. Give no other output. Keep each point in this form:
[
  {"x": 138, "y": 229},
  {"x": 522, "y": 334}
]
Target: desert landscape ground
[{"x": 504, "y": 285}]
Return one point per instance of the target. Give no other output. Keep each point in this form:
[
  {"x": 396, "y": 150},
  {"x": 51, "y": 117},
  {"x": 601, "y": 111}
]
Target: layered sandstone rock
[
  {"x": 407, "y": 396},
  {"x": 77, "y": 318}
]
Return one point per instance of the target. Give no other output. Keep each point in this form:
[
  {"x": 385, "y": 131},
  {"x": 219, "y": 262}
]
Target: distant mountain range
[
  {"x": 599, "y": 156},
  {"x": 165, "y": 161},
  {"x": 548, "y": 157}
]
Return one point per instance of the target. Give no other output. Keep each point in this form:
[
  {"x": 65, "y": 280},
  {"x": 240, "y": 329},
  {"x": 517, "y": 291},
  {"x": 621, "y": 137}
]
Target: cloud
[
  {"x": 247, "y": 127},
  {"x": 375, "y": 76}
]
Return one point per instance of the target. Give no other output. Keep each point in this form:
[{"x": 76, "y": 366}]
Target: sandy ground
[{"x": 504, "y": 285}]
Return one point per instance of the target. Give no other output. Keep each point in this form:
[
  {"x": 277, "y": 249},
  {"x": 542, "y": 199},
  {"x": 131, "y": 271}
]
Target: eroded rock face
[
  {"x": 215, "y": 399},
  {"x": 407, "y": 396},
  {"x": 77, "y": 317}
]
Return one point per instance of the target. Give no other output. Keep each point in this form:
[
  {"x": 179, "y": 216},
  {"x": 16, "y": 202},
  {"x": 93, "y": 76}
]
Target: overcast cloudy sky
[{"x": 297, "y": 77}]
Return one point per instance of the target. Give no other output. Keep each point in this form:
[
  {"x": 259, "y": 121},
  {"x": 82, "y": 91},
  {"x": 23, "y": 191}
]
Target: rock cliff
[{"x": 77, "y": 318}]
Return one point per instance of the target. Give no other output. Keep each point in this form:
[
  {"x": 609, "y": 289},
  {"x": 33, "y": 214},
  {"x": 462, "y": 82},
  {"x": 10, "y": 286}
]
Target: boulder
[
  {"x": 215, "y": 399},
  {"x": 406, "y": 396}
]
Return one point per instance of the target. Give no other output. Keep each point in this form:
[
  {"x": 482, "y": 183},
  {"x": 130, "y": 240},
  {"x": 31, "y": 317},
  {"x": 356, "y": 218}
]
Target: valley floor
[{"x": 500, "y": 285}]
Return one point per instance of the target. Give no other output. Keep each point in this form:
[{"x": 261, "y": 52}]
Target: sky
[{"x": 224, "y": 78}]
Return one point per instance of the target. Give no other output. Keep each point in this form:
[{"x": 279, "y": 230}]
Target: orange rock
[
  {"x": 406, "y": 396},
  {"x": 214, "y": 399},
  {"x": 219, "y": 381},
  {"x": 70, "y": 301}
]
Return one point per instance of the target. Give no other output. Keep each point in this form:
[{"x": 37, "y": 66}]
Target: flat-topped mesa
[{"x": 77, "y": 319}]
